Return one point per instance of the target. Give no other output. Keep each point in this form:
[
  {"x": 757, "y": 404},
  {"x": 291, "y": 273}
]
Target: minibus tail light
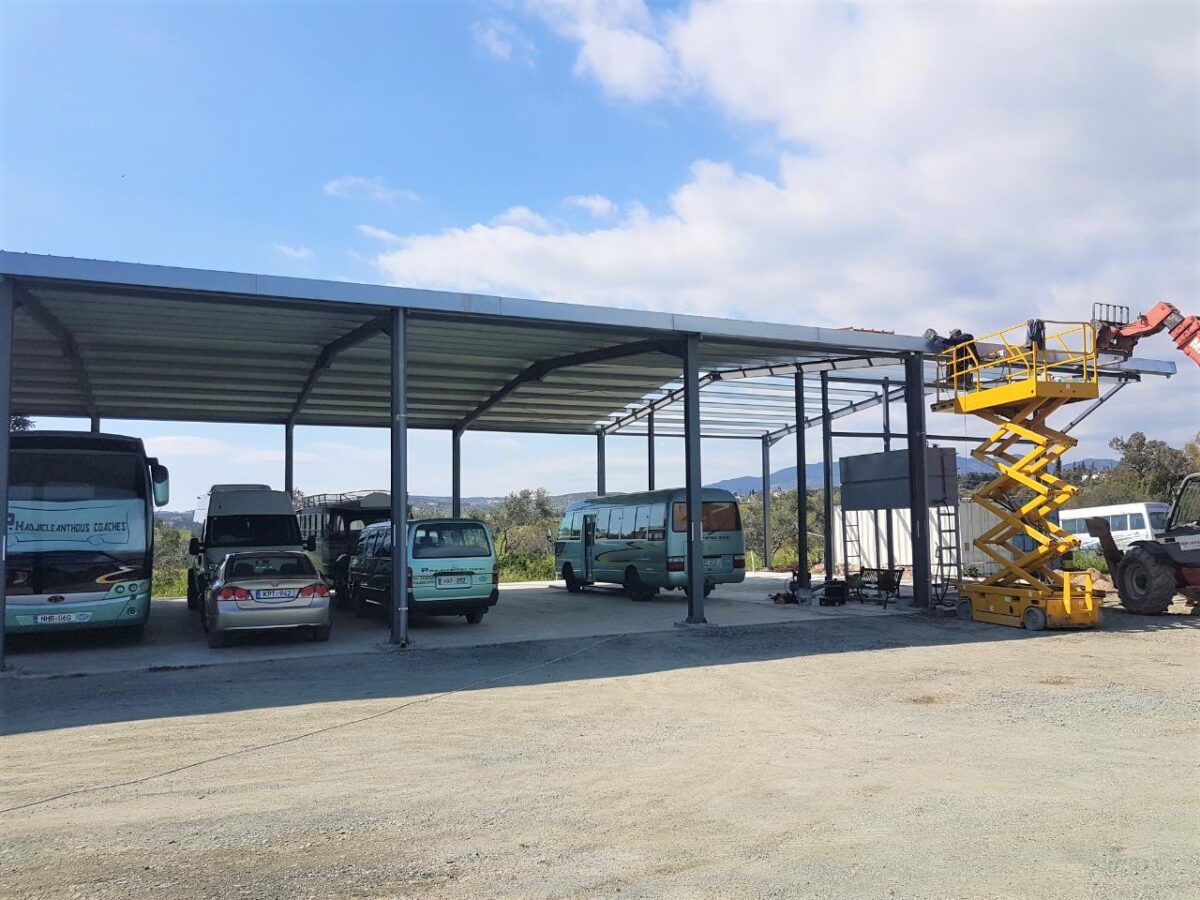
[
  {"x": 676, "y": 564},
  {"x": 739, "y": 562},
  {"x": 495, "y": 574},
  {"x": 409, "y": 580}
]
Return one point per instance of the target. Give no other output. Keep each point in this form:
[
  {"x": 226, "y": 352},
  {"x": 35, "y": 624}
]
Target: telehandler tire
[{"x": 1145, "y": 583}]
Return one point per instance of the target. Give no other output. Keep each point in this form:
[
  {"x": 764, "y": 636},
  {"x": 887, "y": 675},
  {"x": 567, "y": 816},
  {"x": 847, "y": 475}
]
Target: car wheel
[
  {"x": 574, "y": 585},
  {"x": 216, "y": 639},
  {"x": 193, "y": 594},
  {"x": 474, "y": 617},
  {"x": 321, "y": 633},
  {"x": 359, "y": 604}
]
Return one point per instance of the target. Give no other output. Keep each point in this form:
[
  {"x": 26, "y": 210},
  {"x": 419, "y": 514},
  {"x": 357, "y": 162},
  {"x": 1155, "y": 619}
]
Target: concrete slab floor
[{"x": 527, "y": 611}]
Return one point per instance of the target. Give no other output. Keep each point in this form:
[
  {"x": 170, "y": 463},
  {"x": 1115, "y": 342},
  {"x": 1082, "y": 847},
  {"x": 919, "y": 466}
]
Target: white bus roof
[
  {"x": 253, "y": 502},
  {"x": 1111, "y": 509}
]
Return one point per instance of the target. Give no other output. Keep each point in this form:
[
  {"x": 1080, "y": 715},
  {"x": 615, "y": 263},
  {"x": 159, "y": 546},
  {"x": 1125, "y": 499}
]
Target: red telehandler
[
  {"x": 1115, "y": 333},
  {"x": 1150, "y": 573}
]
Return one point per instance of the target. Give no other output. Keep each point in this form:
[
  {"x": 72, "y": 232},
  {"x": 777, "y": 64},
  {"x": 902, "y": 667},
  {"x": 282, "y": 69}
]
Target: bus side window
[
  {"x": 679, "y": 517},
  {"x": 1137, "y": 522},
  {"x": 1118, "y": 522},
  {"x": 564, "y": 528},
  {"x": 576, "y": 525},
  {"x": 629, "y": 523},
  {"x": 602, "y": 524},
  {"x": 643, "y": 523},
  {"x": 656, "y": 529}
]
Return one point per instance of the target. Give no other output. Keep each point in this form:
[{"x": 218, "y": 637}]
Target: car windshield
[
  {"x": 275, "y": 565},
  {"x": 450, "y": 539},
  {"x": 253, "y": 531}
]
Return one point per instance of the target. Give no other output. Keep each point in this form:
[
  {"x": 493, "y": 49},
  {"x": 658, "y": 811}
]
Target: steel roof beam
[
  {"x": 329, "y": 351},
  {"x": 66, "y": 342},
  {"x": 539, "y": 370},
  {"x": 859, "y": 406}
]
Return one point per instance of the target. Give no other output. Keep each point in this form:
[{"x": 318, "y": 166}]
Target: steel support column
[
  {"x": 692, "y": 480},
  {"x": 918, "y": 487},
  {"x": 289, "y": 458},
  {"x": 827, "y": 473},
  {"x": 766, "y": 501},
  {"x": 887, "y": 446},
  {"x": 6, "y": 351},
  {"x": 398, "y": 609},
  {"x": 650, "y": 451},
  {"x": 802, "y": 567},
  {"x": 95, "y": 425},
  {"x": 600, "y": 464},
  {"x": 455, "y": 472}
]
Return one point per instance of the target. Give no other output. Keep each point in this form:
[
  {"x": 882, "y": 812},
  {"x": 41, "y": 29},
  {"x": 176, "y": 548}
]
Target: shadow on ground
[{"x": 30, "y": 705}]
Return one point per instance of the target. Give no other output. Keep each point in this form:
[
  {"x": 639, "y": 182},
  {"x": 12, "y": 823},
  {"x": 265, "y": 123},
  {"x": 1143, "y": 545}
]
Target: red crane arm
[{"x": 1184, "y": 330}]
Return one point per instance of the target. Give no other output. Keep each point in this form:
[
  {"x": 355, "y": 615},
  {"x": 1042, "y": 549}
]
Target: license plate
[
  {"x": 279, "y": 594},
  {"x": 62, "y": 618},
  {"x": 712, "y": 564},
  {"x": 452, "y": 581}
]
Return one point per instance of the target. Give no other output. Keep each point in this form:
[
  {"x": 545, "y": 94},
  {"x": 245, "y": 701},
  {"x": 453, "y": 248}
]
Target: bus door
[{"x": 589, "y": 546}]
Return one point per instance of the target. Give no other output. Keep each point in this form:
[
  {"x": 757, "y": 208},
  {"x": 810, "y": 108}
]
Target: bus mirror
[
  {"x": 161, "y": 479},
  {"x": 549, "y": 537},
  {"x": 194, "y": 547},
  {"x": 310, "y": 543}
]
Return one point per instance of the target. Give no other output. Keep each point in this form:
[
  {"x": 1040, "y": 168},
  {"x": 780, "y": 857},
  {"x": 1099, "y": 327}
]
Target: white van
[
  {"x": 238, "y": 518},
  {"x": 1128, "y": 522}
]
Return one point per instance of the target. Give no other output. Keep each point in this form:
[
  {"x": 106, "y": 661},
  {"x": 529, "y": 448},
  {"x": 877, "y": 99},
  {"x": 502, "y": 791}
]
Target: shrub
[
  {"x": 526, "y": 565},
  {"x": 1082, "y": 560},
  {"x": 169, "y": 582}
]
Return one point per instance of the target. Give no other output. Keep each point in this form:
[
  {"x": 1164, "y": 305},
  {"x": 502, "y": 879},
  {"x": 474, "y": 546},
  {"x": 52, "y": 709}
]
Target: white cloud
[
  {"x": 357, "y": 187},
  {"x": 294, "y": 252},
  {"x": 943, "y": 166},
  {"x": 617, "y": 44},
  {"x": 503, "y": 40},
  {"x": 522, "y": 218},
  {"x": 600, "y": 207},
  {"x": 379, "y": 234}
]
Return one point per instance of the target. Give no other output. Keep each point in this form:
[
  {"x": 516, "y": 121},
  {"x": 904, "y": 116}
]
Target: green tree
[
  {"x": 1192, "y": 450},
  {"x": 170, "y": 560},
  {"x": 784, "y": 512},
  {"x": 1154, "y": 465},
  {"x": 519, "y": 521}
]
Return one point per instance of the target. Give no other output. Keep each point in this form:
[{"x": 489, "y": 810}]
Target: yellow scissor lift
[{"x": 1017, "y": 384}]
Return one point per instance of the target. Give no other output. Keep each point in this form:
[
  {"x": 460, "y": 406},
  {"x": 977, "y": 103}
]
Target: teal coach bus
[
  {"x": 640, "y": 541},
  {"x": 80, "y": 531}
]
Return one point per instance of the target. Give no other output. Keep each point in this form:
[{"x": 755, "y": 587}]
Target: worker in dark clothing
[{"x": 965, "y": 359}]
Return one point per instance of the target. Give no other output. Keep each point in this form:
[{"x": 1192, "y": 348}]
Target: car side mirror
[
  {"x": 160, "y": 478},
  {"x": 549, "y": 537},
  {"x": 194, "y": 547},
  {"x": 310, "y": 543}
]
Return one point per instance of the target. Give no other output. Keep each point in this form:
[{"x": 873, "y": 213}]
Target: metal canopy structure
[{"x": 103, "y": 340}]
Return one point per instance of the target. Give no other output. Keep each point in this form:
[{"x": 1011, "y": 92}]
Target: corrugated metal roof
[{"x": 181, "y": 344}]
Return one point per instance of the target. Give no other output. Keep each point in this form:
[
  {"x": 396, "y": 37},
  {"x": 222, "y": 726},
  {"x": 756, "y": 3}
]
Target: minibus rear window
[
  {"x": 715, "y": 515},
  {"x": 450, "y": 540}
]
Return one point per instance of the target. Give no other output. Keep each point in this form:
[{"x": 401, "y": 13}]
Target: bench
[{"x": 885, "y": 583}]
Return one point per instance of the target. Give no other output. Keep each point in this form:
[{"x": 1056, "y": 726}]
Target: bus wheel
[
  {"x": 574, "y": 585},
  {"x": 634, "y": 587}
]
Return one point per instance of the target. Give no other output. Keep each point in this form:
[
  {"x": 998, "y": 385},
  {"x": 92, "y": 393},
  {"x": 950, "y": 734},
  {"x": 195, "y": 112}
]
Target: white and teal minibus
[
  {"x": 80, "y": 531},
  {"x": 640, "y": 541}
]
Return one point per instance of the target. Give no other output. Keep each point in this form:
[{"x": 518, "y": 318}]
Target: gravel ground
[{"x": 891, "y": 757}]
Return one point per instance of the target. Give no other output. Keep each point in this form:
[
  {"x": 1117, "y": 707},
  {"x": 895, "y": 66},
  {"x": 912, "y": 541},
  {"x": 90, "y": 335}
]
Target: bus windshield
[
  {"x": 252, "y": 531},
  {"x": 63, "y": 500}
]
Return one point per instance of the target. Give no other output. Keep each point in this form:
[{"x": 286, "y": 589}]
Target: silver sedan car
[{"x": 264, "y": 590}]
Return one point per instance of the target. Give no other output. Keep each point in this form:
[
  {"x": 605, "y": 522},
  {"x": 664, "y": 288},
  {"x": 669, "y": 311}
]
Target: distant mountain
[{"x": 785, "y": 479}]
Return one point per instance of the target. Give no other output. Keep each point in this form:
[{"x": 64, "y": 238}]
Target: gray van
[{"x": 239, "y": 518}]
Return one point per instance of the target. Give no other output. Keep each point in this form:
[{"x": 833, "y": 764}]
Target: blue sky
[{"x": 883, "y": 165}]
